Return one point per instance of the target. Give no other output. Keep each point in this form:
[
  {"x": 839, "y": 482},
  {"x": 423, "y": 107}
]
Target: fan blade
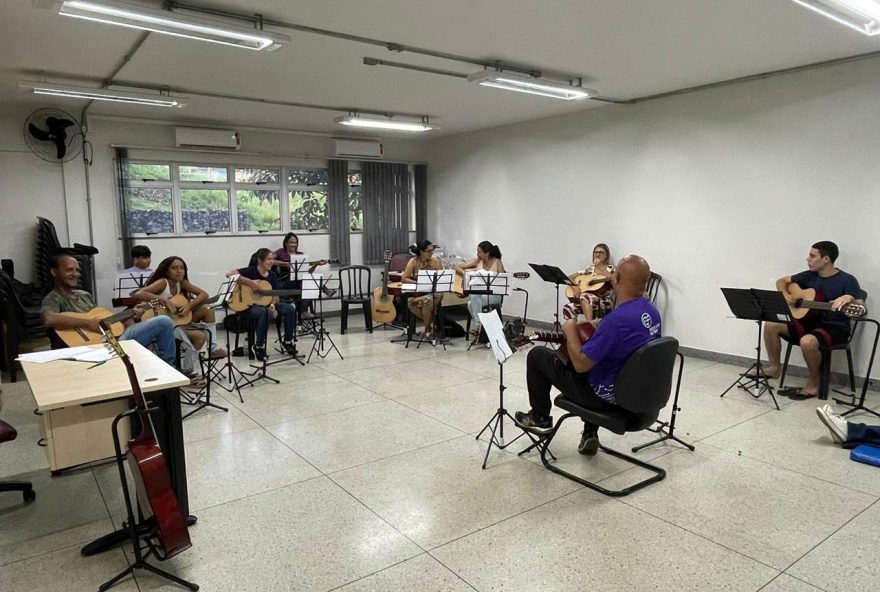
[
  {"x": 58, "y": 125},
  {"x": 38, "y": 133},
  {"x": 61, "y": 147}
]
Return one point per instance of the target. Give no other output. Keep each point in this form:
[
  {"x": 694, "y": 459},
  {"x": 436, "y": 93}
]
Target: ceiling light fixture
[
  {"x": 861, "y": 15},
  {"x": 386, "y": 123},
  {"x": 101, "y": 94},
  {"x": 135, "y": 16},
  {"x": 529, "y": 85}
]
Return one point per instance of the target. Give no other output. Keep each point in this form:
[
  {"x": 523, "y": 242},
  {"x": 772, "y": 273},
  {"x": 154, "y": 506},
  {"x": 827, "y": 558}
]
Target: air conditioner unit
[
  {"x": 199, "y": 137},
  {"x": 359, "y": 148}
]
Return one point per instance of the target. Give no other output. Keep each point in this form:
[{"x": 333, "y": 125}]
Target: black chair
[
  {"x": 8, "y": 434},
  {"x": 825, "y": 367},
  {"x": 354, "y": 283},
  {"x": 18, "y": 323},
  {"x": 48, "y": 245},
  {"x": 653, "y": 287},
  {"x": 642, "y": 390}
]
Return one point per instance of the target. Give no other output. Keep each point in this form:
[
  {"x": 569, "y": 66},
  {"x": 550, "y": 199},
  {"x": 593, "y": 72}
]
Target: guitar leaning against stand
[
  {"x": 384, "y": 311},
  {"x": 167, "y": 533}
]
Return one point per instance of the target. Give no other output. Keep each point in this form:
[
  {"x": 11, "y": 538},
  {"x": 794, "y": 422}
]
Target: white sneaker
[{"x": 836, "y": 424}]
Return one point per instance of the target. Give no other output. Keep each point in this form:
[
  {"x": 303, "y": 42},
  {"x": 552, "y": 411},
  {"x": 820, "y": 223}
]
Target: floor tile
[
  {"x": 75, "y": 536},
  {"x": 238, "y": 465},
  {"x": 796, "y": 439},
  {"x": 586, "y": 541},
  {"x": 411, "y": 377},
  {"x": 66, "y": 570},
  {"x": 786, "y": 583},
  {"x": 335, "y": 441},
  {"x": 847, "y": 560},
  {"x": 422, "y": 573},
  {"x": 724, "y": 497},
  {"x": 271, "y": 404},
  {"x": 434, "y": 502},
  {"x": 308, "y": 536},
  {"x": 210, "y": 423}
]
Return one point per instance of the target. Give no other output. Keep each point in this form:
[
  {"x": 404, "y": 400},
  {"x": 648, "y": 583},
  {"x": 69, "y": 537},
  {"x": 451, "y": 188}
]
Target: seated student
[
  {"x": 289, "y": 248},
  {"x": 595, "y": 364},
  {"x": 828, "y": 327},
  {"x": 599, "y": 302},
  {"x": 260, "y": 268},
  {"x": 422, "y": 306},
  {"x": 170, "y": 279},
  {"x": 846, "y": 433},
  {"x": 158, "y": 331},
  {"x": 141, "y": 257},
  {"x": 488, "y": 259}
]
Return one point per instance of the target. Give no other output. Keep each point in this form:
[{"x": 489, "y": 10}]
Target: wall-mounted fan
[{"x": 53, "y": 135}]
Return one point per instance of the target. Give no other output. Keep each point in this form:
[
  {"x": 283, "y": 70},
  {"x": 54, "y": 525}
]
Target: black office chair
[
  {"x": 354, "y": 283},
  {"x": 642, "y": 390},
  {"x": 825, "y": 368},
  {"x": 653, "y": 287},
  {"x": 8, "y": 434}
]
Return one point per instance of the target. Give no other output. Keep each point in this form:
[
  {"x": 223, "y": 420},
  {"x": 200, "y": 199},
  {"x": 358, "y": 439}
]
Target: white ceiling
[{"x": 622, "y": 48}]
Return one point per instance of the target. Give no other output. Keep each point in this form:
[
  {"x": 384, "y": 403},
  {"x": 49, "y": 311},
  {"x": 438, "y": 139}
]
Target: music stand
[
  {"x": 433, "y": 282},
  {"x": 235, "y": 377},
  {"x": 314, "y": 286},
  {"x": 126, "y": 285},
  {"x": 556, "y": 276},
  {"x": 760, "y": 306},
  {"x": 503, "y": 350},
  {"x": 486, "y": 283}
]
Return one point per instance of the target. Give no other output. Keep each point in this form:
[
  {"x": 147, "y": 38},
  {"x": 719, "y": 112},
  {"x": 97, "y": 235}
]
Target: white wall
[
  {"x": 29, "y": 187},
  {"x": 727, "y": 187}
]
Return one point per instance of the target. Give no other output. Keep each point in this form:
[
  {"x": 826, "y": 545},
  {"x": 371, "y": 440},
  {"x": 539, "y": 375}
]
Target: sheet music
[
  {"x": 481, "y": 280},
  {"x": 311, "y": 285},
  {"x": 425, "y": 280},
  {"x": 491, "y": 323}
]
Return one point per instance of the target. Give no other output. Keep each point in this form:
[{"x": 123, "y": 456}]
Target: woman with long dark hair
[
  {"x": 422, "y": 306},
  {"x": 289, "y": 248},
  {"x": 596, "y": 304},
  {"x": 260, "y": 268},
  {"x": 488, "y": 259}
]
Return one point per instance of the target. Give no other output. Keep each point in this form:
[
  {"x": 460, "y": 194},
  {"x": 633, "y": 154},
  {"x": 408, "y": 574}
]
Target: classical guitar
[
  {"x": 588, "y": 283},
  {"x": 584, "y": 330},
  {"x": 180, "y": 313},
  {"x": 383, "y": 305},
  {"x": 82, "y": 336},
  {"x": 156, "y": 497},
  {"x": 243, "y": 297},
  {"x": 805, "y": 302}
]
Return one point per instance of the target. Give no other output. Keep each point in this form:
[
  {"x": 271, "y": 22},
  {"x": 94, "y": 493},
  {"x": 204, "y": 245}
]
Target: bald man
[{"x": 589, "y": 379}]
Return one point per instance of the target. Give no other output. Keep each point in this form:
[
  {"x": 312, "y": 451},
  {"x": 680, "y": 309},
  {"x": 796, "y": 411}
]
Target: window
[
  {"x": 205, "y": 210},
  {"x": 150, "y": 210},
  {"x": 258, "y": 210},
  {"x": 144, "y": 172},
  {"x": 355, "y": 194},
  {"x": 307, "y": 199},
  {"x": 204, "y": 174}
]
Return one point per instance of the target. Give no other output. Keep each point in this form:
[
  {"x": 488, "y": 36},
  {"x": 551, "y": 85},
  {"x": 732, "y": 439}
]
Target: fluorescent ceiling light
[
  {"x": 861, "y": 15},
  {"x": 166, "y": 22},
  {"x": 385, "y": 123},
  {"x": 529, "y": 85},
  {"x": 101, "y": 94}
]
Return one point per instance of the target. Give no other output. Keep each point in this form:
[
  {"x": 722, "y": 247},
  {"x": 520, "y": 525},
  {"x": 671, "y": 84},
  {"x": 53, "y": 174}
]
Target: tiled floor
[{"x": 363, "y": 474}]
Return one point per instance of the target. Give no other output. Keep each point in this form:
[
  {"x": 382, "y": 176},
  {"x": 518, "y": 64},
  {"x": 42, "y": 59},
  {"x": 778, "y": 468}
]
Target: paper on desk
[
  {"x": 52, "y": 355},
  {"x": 95, "y": 355},
  {"x": 491, "y": 323}
]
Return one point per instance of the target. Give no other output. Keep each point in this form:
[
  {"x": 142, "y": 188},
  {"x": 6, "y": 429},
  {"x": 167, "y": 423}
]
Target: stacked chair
[{"x": 48, "y": 246}]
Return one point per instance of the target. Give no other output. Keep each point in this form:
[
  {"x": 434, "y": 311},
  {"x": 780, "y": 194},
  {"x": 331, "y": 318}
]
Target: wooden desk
[{"x": 79, "y": 403}]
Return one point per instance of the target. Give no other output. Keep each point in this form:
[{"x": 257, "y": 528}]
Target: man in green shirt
[{"x": 65, "y": 297}]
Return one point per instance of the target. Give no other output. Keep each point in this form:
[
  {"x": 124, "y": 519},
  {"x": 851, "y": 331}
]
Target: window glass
[
  {"x": 307, "y": 177},
  {"x": 308, "y": 210},
  {"x": 258, "y": 176},
  {"x": 258, "y": 210},
  {"x": 202, "y": 173},
  {"x": 144, "y": 171},
  {"x": 355, "y": 195},
  {"x": 205, "y": 209},
  {"x": 149, "y": 210}
]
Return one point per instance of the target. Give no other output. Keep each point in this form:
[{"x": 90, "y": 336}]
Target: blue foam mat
[{"x": 865, "y": 453}]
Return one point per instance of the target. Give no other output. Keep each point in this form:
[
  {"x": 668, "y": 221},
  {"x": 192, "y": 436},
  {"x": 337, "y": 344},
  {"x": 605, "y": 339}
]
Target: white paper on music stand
[
  {"x": 491, "y": 324},
  {"x": 425, "y": 280},
  {"x": 481, "y": 280},
  {"x": 311, "y": 286},
  {"x": 225, "y": 291},
  {"x": 299, "y": 266},
  {"x": 407, "y": 287}
]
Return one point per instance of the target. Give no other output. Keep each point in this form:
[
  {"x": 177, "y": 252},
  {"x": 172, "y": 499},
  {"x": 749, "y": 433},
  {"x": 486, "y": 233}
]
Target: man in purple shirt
[{"x": 590, "y": 377}]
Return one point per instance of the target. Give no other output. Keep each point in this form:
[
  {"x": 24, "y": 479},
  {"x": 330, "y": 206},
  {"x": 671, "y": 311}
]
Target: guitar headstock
[
  {"x": 521, "y": 275},
  {"x": 110, "y": 340},
  {"x": 854, "y": 310},
  {"x": 387, "y": 255}
]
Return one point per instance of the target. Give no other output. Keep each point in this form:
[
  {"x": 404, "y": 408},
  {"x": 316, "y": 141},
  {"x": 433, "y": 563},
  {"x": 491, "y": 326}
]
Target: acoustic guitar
[
  {"x": 383, "y": 305},
  {"x": 243, "y": 297},
  {"x": 82, "y": 336},
  {"x": 156, "y": 497},
  {"x": 584, "y": 331},
  {"x": 180, "y": 303},
  {"x": 805, "y": 302},
  {"x": 588, "y": 283}
]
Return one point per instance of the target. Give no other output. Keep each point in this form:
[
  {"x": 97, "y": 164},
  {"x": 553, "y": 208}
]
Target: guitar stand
[
  {"x": 669, "y": 434},
  {"x": 859, "y": 405},
  {"x": 137, "y": 532},
  {"x": 495, "y": 425}
]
